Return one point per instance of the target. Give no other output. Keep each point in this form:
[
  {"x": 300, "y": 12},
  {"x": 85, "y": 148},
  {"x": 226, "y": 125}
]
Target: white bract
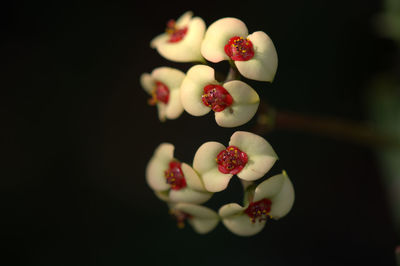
[
  {"x": 172, "y": 180},
  {"x": 163, "y": 84},
  {"x": 248, "y": 156},
  {"x": 271, "y": 199},
  {"x": 182, "y": 40},
  {"x": 254, "y": 55},
  {"x": 201, "y": 218},
  {"x": 234, "y": 102}
]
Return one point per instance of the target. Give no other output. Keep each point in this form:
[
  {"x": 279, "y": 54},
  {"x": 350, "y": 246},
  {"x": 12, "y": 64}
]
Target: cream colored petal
[
  {"x": 192, "y": 89},
  {"x": 184, "y": 19},
  {"x": 241, "y": 225},
  {"x": 283, "y": 201},
  {"x": 162, "y": 111},
  {"x": 189, "y": 196},
  {"x": 174, "y": 107},
  {"x": 159, "y": 40},
  {"x": 203, "y": 226},
  {"x": 269, "y": 188},
  {"x": 162, "y": 156},
  {"x": 147, "y": 82},
  {"x": 197, "y": 211},
  {"x": 215, "y": 181},
  {"x": 205, "y": 156},
  {"x": 162, "y": 195},
  {"x": 260, "y": 154},
  {"x": 244, "y": 107},
  {"x": 263, "y": 65},
  {"x": 218, "y": 35},
  {"x": 230, "y": 209},
  {"x": 171, "y": 77},
  {"x": 193, "y": 180},
  {"x": 188, "y": 49}
]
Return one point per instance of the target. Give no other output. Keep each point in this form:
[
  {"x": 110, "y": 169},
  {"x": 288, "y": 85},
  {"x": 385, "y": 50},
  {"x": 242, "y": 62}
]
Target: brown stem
[{"x": 335, "y": 128}]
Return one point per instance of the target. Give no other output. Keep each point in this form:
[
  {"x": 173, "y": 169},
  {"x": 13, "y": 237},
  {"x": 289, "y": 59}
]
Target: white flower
[
  {"x": 201, "y": 218},
  {"x": 182, "y": 40},
  {"x": 254, "y": 55},
  {"x": 248, "y": 156},
  {"x": 234, "y": 102},
  {"x": 272, "y": 199},
  {"x": 163, "y": 84},
  {"x": 172, "y": 180}
]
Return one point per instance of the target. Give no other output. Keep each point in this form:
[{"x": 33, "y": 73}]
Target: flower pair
[
  {"x": 198, "y": 92},
  {"x": 188, "y": 40}
]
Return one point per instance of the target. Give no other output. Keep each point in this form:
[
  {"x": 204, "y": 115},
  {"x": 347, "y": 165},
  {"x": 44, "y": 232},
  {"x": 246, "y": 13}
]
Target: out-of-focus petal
[
  {"x": 184, "y": 19},
  {"x": 189, "y": 196},
  {"x": 218, "y": 35},
  {"x": 205, "y": 156},
  {"x": 241, "y": 225},
  {"x": 192, "y": 178},
  {"x": 230, "y": 209},
  {"x": 147, "y": 82},
  {"x": 157, "y": 165},
  {"x": 174, "y": 107},
  {"x": 215, "y": 181},
  {"x": 171, "y": 77}
]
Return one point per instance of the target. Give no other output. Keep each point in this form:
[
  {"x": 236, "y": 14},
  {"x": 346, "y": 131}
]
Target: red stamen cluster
[
  {"x": 174, "y": 176},
  {"x": 231, "y": 160},
  {"x": 216, "y": 97},
  {"x": 159, "y": 94},
  {"x": 175, "y": 34},
  {"x": 259, "y": 210},
  {"x": 239, "y": 49}
]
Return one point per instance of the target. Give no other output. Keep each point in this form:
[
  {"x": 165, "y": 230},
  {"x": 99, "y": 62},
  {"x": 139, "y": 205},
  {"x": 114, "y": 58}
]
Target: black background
[{"x": 78, "y": 134}]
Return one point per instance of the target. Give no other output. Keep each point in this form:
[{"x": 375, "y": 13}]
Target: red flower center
[
  {"x": 231, "y": 160},
  {"x": 259, "y": 210},
  {"x": 175, "y": 34},
  {"x": 239, "y": 49},
  {"x": 216, "y": 97},
  {"x": 174, "y": 176},
  {"x": 159, "y": 94}
]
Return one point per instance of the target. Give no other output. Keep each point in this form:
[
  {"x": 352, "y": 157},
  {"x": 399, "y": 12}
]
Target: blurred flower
[
  {"x": 201, "y": 218},
  {"x": 182, "y": 39},
  {"x": 271, "y": 199},
  {"x": 254, "y": 55},
  {"x": 163, "y": 85},
  {"x": 248, "y": 156},
  {"x": 233, "y": 102},
  {"x": 172, "y": 180}
]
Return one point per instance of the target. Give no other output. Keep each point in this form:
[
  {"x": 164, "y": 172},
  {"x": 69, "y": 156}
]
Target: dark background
[{"x": 78, "y": 134}]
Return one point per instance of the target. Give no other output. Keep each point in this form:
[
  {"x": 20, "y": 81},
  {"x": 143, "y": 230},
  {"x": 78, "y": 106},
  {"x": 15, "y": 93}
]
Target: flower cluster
[
  {"x": 186, "y": 187},
  {"x": 197, "y": 91}
]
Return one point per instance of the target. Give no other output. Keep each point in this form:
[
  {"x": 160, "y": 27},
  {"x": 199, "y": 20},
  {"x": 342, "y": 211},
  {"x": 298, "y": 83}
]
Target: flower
[
  {"x": 248, "y": 156},
  {"x": 172, "y": 180},
  {"x": 271, "y": 199},
  {"x": 254, "y": 55},
  {"x": 163, "y": 85},
  {"x": 233, "y": 102},
  {"x": 201, "y": 218},
  {"x": 181, "y": 41}
]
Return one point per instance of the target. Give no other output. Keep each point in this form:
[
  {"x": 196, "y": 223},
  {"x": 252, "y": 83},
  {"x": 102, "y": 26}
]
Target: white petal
[
  {"x": 203, "y": 226},
  {"x": 260, "y": 154},
  {"x": 244, "y": 107},
  {"x": 162, "y": 111},
  {"x": 205, "y": 156},
  {"x": 242, "y": 225},
  {"x": 159, "y": 40},
  {"x": 174, "y": 107},
  {"x": 218, "y": 35},
  {"x": 147, "y": 82},
  {"x": 189, "y": 196},
  {"x": 188, "y": 49},
  {"x": 192, "y": 89},
  {"x": 279, "y": 189},
  {"x": 171, "y": 77},
  {"x": 230, "y": 209},
  {"x": 197, "y": 211},
  {"x": 162, "y": 156},
  {"x": 263, "y": 65},
  {"x": 162, "y": 195},
  {"x": 215, "y": 181},
  {"x": 184, "y": 19},
  {"x": 193, "y": 180}
]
